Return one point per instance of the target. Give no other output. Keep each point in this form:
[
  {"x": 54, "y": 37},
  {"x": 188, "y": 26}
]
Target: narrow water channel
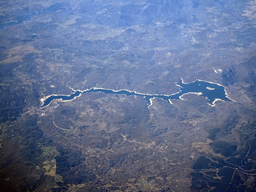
[{"x": 209, "y": 90}]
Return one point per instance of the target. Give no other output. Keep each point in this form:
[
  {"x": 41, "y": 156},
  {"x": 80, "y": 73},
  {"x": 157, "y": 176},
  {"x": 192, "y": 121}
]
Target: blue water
[{"x": 209, "y": 90}]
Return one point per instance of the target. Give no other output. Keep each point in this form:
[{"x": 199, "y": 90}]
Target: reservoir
[{"x": 206, "y": 89}]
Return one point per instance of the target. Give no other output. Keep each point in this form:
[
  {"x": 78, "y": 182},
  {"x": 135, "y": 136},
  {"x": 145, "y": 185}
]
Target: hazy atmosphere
[{"x": 128, "y": 95}]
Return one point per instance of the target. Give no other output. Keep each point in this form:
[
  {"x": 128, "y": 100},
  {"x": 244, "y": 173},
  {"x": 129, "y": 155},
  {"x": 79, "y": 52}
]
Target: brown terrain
[{"x": 112, "y": 142}]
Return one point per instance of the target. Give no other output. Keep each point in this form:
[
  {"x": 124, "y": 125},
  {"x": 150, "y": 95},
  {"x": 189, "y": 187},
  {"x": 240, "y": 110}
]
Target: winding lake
[{"x": 209, "y": 90}]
